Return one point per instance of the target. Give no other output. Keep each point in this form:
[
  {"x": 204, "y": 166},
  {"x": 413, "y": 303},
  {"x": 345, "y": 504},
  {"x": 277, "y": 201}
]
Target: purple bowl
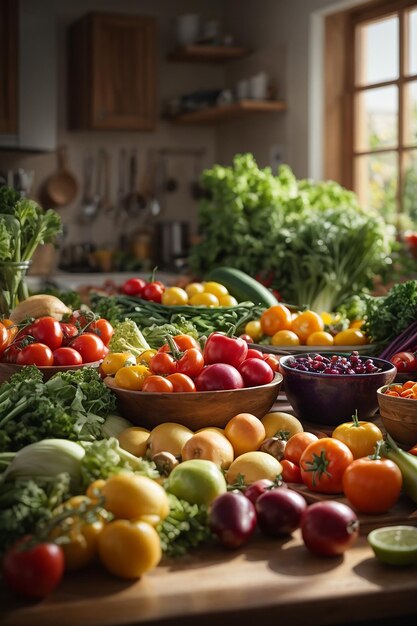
[{"x": 333, "y": 398}]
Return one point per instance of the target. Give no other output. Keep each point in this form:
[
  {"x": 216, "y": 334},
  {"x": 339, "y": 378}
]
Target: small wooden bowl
[
  {"x": 399, "y": 417},
  {"x": 196, "y": 409},
  {"x": 8, "y": 369}
]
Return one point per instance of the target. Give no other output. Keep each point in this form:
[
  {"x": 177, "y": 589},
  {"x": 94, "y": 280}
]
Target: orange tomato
[
  {"x": 275, "y": 318},
  {"x": 296, "y": 446},
  {"x": 157, "y": 384},
  {"x": 181, "y": 382},
  {"x": 307, "y": 323},
  {"x": 372, "y": 484}
]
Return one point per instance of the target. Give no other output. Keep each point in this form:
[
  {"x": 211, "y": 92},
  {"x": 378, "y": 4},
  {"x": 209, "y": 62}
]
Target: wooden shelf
[
  {"x": 208, "y": 53},
  {"x": 213, "y": 115}
]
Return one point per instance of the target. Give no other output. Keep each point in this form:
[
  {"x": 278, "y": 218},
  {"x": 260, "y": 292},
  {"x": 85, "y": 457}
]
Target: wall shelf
[
  {"x": 214, "y": 115},
  {"x": 208, "y": 53}
]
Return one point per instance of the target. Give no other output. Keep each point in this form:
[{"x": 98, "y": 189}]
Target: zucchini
[{"x": 242, "y": 286}]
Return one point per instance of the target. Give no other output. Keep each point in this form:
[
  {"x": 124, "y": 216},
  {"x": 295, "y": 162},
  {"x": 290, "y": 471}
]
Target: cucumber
[{"x": 242, "y": 286}]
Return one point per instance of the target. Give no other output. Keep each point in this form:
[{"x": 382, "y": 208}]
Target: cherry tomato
[
  {"x": 103, "y": 329},
  {"x": 11, "y": 352},
  {"x": 296, "y": 446},
  {"x": 153, "y": 291},
  {"x": 219, "y": 348},
  {"x": 47, "y": 330},
  {"x": 372, "y": 485},
  {"x": 183, "y": 342},
  {"x": 272, "y": 361},
  {"x": 163, "y": 364},
  {"x": 275, "y": 318},
  {"x": 405, "y": 361},
  {"x": 181, "y": 382},
  {"x": 413, "y": 450},
  {"x": 81, "y": 318},
  {"x": 35, "y": 354},
  {"x": 33, "y": 571},
  {"x": 191, "y": 363},
  {"x": 255, "y": 372},
  {"x": 157, "y": 384},
  {"x": 306, "y": 323},
  {"x": 67, "y": 356},
  {"x": 290, "y": 472},
  {"x": 323, "y": 463},
  {"x": 89, "y": 346},
  {"x": 254, "y": 354},
  {"x": 246, "y": 338},
  {"x": 69, "y": 332},
  {"x": 134, "y": 286}
]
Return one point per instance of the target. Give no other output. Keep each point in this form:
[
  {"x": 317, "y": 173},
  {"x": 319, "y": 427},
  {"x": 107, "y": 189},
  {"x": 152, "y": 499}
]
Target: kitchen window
[{"x": 371, "y": 108}]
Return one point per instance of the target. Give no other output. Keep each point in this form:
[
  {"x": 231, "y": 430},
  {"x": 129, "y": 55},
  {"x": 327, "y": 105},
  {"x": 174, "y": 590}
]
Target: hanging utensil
[
  {"x": 87, "y": 203},
  {"x": 135, "y": 202},
  {"x": 121, "y": 185},
  {"x": 154, "y": 206},
  {"x": 62, "y": 187},
  {"x": 106, "y": 204}
]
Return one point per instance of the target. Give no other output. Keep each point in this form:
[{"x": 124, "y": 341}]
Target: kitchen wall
[{"x": 172, "y": 79}]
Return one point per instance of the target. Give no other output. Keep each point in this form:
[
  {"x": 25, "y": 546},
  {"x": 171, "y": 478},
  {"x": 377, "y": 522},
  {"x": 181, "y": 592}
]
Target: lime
[{"x": 396, "y": 545}]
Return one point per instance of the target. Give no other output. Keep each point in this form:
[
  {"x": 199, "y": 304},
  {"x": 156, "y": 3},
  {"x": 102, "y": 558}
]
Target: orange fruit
[
  {"x": 306, "y": 323},
  {"x": 275, "y": 318},
  {"x": 211, "y": 446},
  {"x": 245, "y": 432}
]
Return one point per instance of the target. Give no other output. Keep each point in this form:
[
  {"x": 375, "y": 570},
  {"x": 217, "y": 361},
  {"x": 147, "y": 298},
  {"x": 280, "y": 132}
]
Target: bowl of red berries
[{"x": 330, "y": 388}]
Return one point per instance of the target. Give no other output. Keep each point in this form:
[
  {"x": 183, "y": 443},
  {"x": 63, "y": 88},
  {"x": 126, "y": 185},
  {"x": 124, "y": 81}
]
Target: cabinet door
[
  {"x": 8, "y": 67},
  {"x": 123, "y": 72}
]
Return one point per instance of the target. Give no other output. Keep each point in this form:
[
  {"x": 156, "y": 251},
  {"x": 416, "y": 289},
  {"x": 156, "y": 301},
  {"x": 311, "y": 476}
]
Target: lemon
[
  {"x": 395, "y": 545},
  {"x": 194, "y": 288},
  {"x": 228, "y": 300},
  {"x": 204, "y": 299},
  {"x": 216, "y": 289},
  {"x": 350, "y": 337},
  {"x": 174, "y": 296}
]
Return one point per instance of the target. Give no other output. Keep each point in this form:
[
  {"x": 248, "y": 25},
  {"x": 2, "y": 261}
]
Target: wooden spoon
[{"x": 62, "y": 187}]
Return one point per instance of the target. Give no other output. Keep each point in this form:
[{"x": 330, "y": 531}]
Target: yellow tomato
[
  {"x": 326, "y": 317},
  {"x": 320, "y": 338},
  {"x": 174, "y": 296},
  {"x": 275, "y": 318},
  {"x": 131, "y": 377},
  {"x": 129, "y": 549},
  {"x": 94, "y": 489},
  {"x": 130, "y": 496},
  {"x": 115, "y": 360},
  {"x": 204, "y": 299},
  {"x": 306, "y": 323},
  {"x": 285, "y": 338},
  {"x": 228, "y": 300},
  {"x": 254, "y": 329},
  {"x": 360, "y": 437},
  {"x": 357, "y": 324},
  {"x": 194, "y": 288},
  {"x": 350, "y": 337},
  {"x": 80, "y": 545},
  {"x": 145, "y": 357},
  {"x": 216, "y": 289}
]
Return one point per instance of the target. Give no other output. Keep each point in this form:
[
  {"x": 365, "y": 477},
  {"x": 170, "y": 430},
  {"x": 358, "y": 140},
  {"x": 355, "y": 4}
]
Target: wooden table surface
[{"x": 268, "y": 582}]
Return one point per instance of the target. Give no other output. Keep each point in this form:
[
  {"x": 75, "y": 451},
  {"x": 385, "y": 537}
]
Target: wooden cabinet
[
  {"x": 112, "y": 73},
  {"x": 8, "y": 67}
]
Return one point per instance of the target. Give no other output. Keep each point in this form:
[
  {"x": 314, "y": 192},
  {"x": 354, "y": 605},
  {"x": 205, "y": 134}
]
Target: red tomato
[
  {"x": 69, "y": 332},
  {"x": 183, "y": 342},
  {"x": 81, "y": 318},
  {"x": 255, "y": 372},
  {"x": 103, "y": 329},
  {"x": 33, "y": 571},
  {"x": 246, "y": 338},
  {"x": 11, "y": 352},
  {"x": 90, "y": 347},
  {"x": 47, "y": 330},
  {"x": 153, "y": 291},
  {"x": 272, "y": 361},
  {"x": 163, "y": 364},
  {"x": 191, "y": 363},
  {"x": 181, "y": 382},
  {"x": 254, "y": 354},
  {"x": 290, "y": 472},
  {"x": 67, "y": 356},
  {"x": 35, "y": 354},
  {"x": 219, "y": 348},
  {"x": 405, "y": 361},
  {"x": 157, "y": 384},
  {"x": 372, "y": 485},
  {"x": 134, "y": 286},
  {"x": 323, "y": 464},
  {"x": 296, "y": 446}
]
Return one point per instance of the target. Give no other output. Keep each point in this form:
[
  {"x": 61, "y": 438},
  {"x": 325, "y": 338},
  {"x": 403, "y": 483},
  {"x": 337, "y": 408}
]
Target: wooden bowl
[
  {"x": 399, "y": 417},
  {"x": 196, "y": 409},
  {"x": 8, "y": 369}
]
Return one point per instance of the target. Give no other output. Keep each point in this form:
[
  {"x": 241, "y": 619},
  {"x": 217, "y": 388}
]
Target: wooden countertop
[{"x": 268, "y": 582}]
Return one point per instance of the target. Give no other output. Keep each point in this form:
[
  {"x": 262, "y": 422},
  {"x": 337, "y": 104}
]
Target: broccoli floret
[{"x": 128, "y": 338}]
